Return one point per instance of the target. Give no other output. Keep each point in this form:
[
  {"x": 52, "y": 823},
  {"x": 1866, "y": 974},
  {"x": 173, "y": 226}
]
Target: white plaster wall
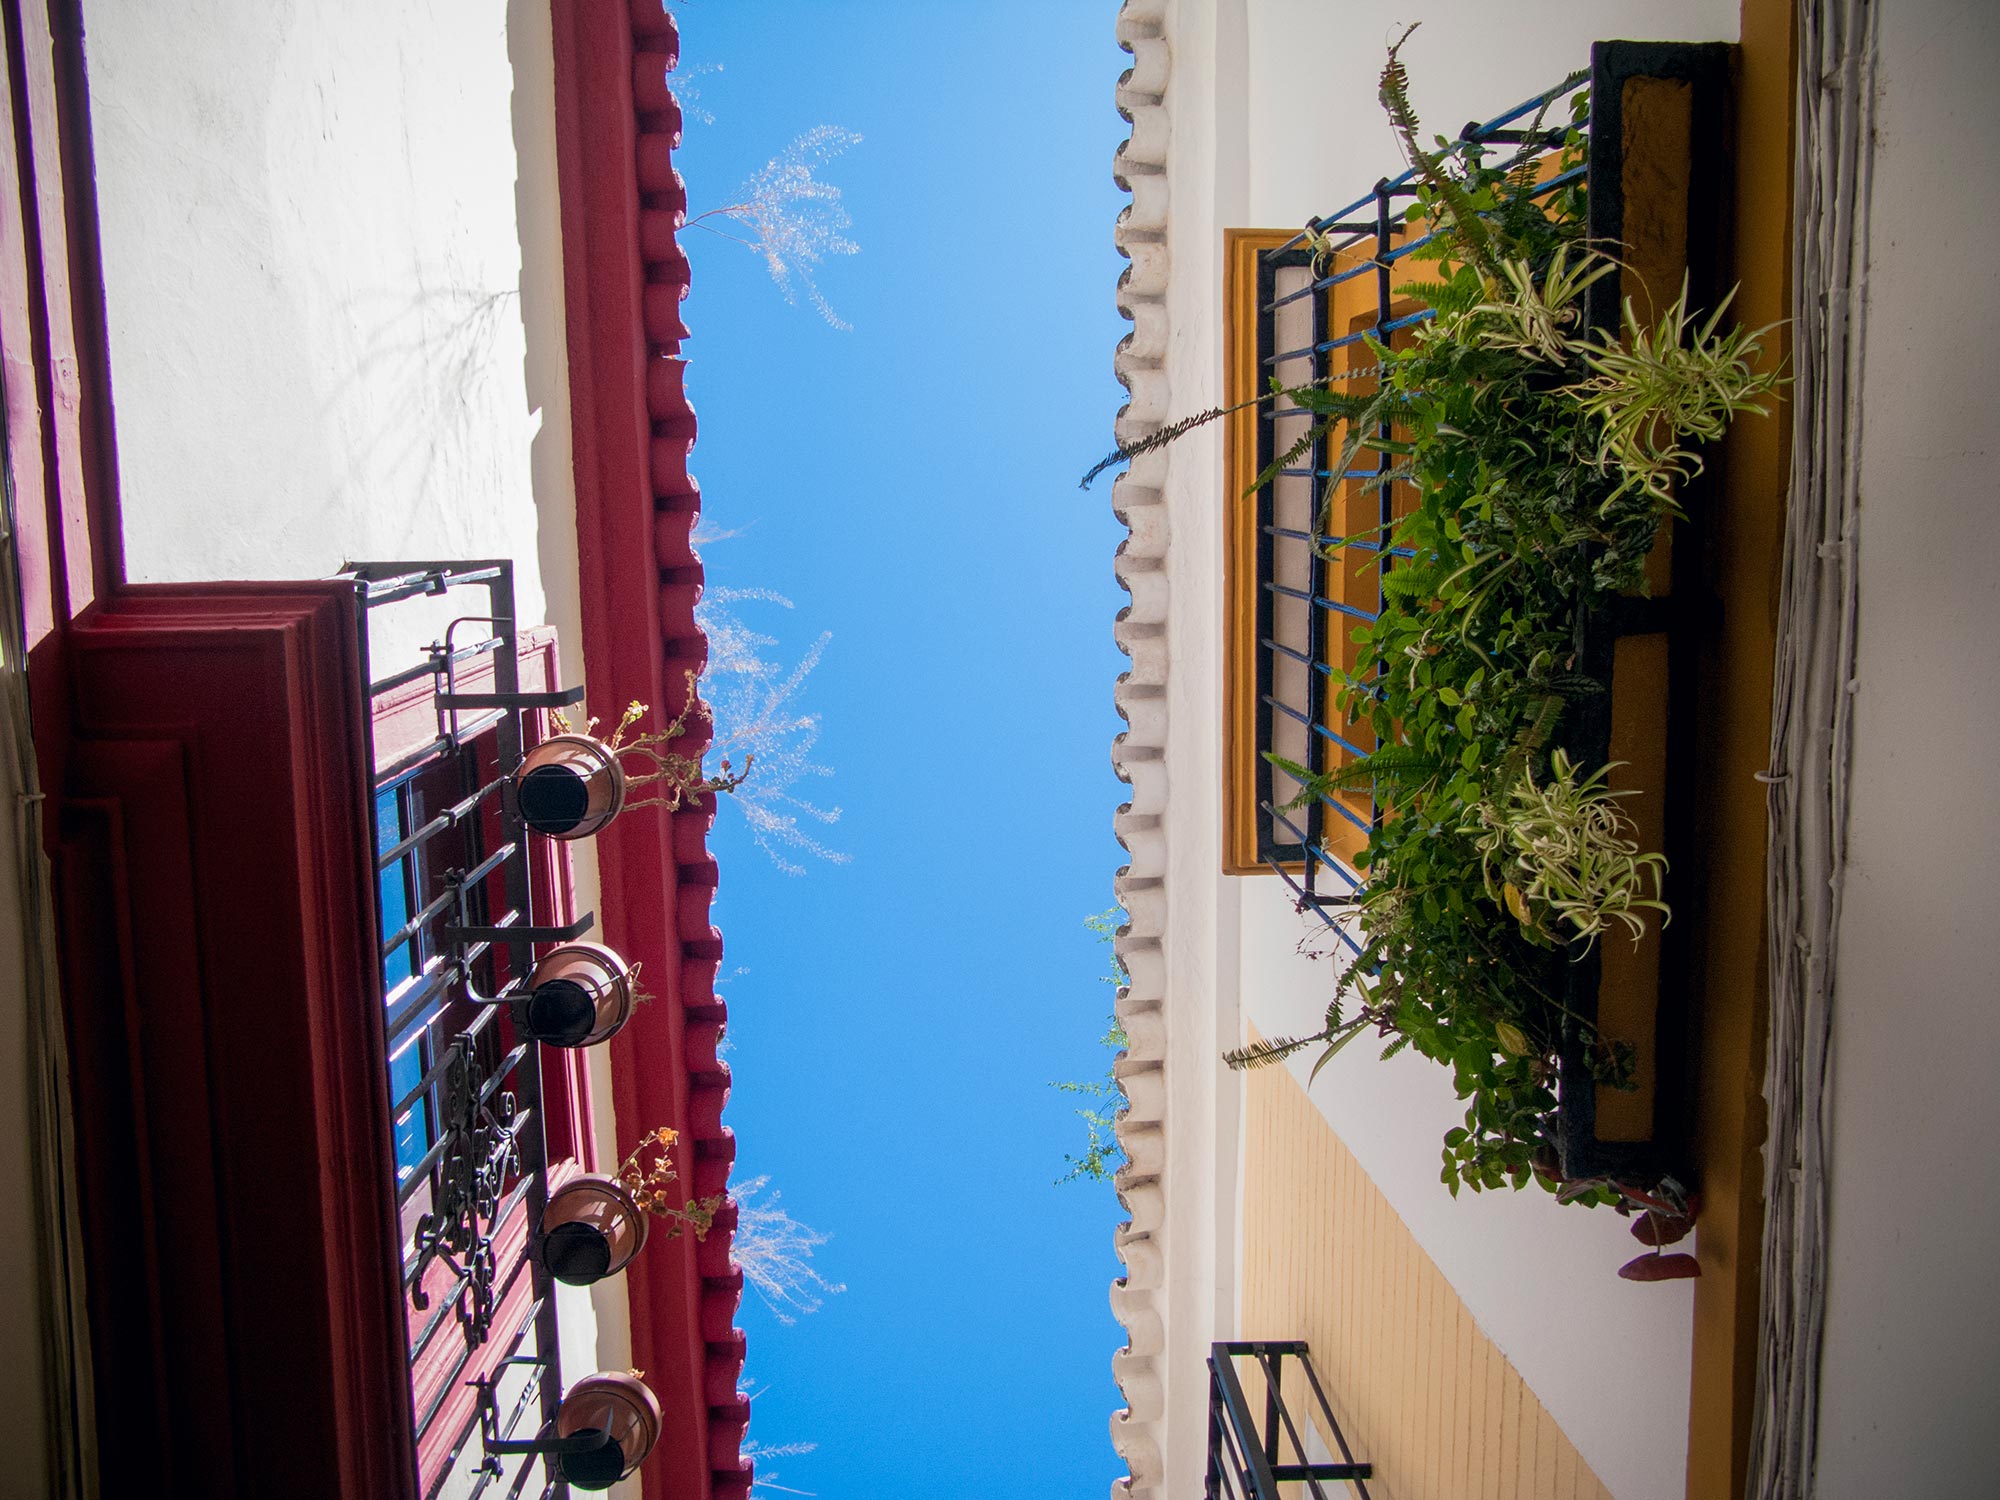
[
  {"x": 335, "y": 317},
  {"x": 1300, "y": 132},
  {"x": 1199, "y": 1179},
  {"x": 1911, "y": 1356}
]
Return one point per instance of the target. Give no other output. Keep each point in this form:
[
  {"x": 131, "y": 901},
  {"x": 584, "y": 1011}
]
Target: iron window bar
[
  {"x": 467, "y": 950},
  {"x": 1292, "y": 839},
  {"x": 1271, "y": 1463}
]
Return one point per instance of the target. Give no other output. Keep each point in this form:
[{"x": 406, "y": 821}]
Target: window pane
[
  {"x": 406, "y": 1067},
  {"x": 390, "y": 829},
  {"x": 413, "y": 1134}
]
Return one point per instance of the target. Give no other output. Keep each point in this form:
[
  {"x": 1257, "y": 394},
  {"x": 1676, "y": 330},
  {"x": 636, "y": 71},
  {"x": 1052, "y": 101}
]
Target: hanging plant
[
  {"x": 618, "y": 1407},
  {"x": 648, "y": 1174},
  {"x": 580, "y": 994},
  {"x": 574, "y": 782}
]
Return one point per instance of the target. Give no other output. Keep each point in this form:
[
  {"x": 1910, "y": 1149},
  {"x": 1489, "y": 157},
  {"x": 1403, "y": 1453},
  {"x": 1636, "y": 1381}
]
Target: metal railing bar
[
  {"x": 1331, "y": 473},
  {"x": 1320, "y": 853},
  {"x": 1322, "y": 348},
  {"x": 444, "y": 1390},
  {"x": 1319, "y": 728},
  {"x": 432, "y": 666},
  {"x": 1319, "y": 1393},
  {"x": 420, "y": 1173},
  {"x": 417, "y": 923},
  {"x": 436, "y": 978},
  {"x": 441, "y": 1308},
  {"x": 1306, "y": 597},
  {"x": 530, "y": 1390},
  {"x": 1332, "y": 923},
  {"x": 1278, "y": 1411},
  {"x": 487, "y": 866},
  {"x": 1256, "y": 1469},
  {"x": 449, "y": 817},
  {"x": 1294, "y": 654},
  {"x": 472, "y": 1423},
  {"x": 1340, "y": 807},
  {"x": 1327, "y": 283},
  {"x": 1312, "y": 1473},
  {"x": 472, "y": 1032},
  {"x": 1288, "y": 356},
  {"x": 1291, "y": 534},
  {"x": 438, "y": 747},
  {"x": 376, "y": 592}
]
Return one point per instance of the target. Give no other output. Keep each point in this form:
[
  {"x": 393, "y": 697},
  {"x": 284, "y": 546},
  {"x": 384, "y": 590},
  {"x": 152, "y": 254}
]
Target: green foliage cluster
[
  {"x": 1545, "y": 462},
  {"x": 1102, "y": 1155}
]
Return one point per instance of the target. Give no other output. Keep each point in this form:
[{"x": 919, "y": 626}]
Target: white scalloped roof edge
[{"x": 1138, "y": 755}]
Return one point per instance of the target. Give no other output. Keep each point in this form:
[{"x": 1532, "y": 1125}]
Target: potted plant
[
  {"x": 574, "y": 782},
  {"x": 618, "y": 1406},
  {"x": 580, "y": 994},
  {"x": 594, "y": 1224}
]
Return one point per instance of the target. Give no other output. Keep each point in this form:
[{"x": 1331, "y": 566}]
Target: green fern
[
  {"x": 1393, "y": 766},
  {"x": 1465, "y": 227},
  {"x": 1261, "y": 1054},
  {"x": 1172, "y": 432}
]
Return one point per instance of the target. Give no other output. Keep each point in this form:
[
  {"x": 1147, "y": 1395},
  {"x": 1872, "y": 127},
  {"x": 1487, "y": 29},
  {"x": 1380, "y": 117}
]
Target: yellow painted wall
[{"x": 1418, "y": 1390}]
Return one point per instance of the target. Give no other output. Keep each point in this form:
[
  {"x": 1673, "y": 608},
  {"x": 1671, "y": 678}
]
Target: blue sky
[{"x": 911, "y": 487}]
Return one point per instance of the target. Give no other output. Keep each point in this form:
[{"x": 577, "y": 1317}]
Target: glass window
[{"x": 407, "y": 1065}]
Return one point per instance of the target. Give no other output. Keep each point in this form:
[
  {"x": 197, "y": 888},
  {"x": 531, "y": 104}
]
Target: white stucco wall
[
  {"x": 332, "y": 266},
  {"x": 1286, "y": 124},
  {"x": 1911, "y": 1356}
]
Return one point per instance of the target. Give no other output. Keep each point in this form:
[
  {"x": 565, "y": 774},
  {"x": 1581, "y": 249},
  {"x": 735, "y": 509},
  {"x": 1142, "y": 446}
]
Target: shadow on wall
[{"x": 434, "y": 348}]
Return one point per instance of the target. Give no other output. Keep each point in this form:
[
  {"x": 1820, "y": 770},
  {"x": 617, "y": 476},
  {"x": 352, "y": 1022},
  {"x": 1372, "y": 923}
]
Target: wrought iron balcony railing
[
  {"x": 1324, "y": 300},
  {"x": 457, "y": 891},
  {"x": 1645, "y": 168},
  {"x": 1246, "y": 1463}
]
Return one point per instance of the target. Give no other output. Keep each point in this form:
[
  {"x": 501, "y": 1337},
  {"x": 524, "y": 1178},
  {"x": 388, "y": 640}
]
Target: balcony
[
  {"x": 1288, "y": 1455},
  {"x": 486, "y": 1000},
  {"x": 1317, "y": 539}
]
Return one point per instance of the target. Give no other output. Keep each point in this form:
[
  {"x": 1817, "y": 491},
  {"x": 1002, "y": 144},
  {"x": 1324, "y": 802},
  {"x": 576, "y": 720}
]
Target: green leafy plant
[
  {"x": 1559, "y": 845},
  {"x": 1102, "y": 1155},
  {"x": 1545, "y": 459}
]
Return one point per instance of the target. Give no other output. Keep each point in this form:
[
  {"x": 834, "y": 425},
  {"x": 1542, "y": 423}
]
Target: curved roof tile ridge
[
  {"x": 677, "y": 507},
  {"x": 633, "y": 427},
  {"x": 1138, "y": 753}
]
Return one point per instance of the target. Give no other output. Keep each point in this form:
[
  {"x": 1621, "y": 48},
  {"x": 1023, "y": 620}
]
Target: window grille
[
  {"x": 1324, "y": 541},
  {"x": 1309, "y": 567},
  {"x": 456, "y": 893}
]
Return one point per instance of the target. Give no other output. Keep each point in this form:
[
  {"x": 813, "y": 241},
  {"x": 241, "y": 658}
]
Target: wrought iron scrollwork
[{"x": 481, "y": 1151}]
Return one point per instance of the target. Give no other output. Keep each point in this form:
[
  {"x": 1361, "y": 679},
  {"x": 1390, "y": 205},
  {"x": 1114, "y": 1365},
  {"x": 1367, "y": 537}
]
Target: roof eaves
[
  {"x": 632, "y": 429},
  {"x": 1138, "y": 754}
]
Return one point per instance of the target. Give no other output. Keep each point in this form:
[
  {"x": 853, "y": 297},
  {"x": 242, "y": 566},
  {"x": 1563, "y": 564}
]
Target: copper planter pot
[
  {"x": 624, "y": 1407},
  {"x": 591, "y": 1229},
  {"x": 569, "y": 786},
  {"x": 579, "y": 995}
]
